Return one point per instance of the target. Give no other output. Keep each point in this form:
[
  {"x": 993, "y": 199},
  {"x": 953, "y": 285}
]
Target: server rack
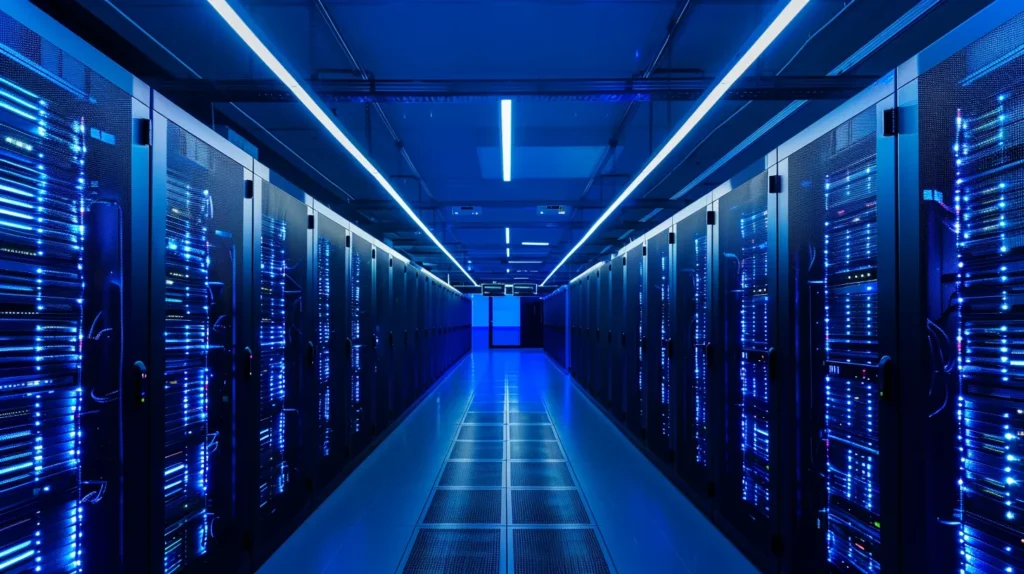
[
  {"x": 333, "y": 347},
  {"x": 398, "y": 338},
  {"x": 661, "y": 393},
  {"x": 745, "y": 397},
  {"x": 620, "y": 341},
  {"x": 634, "y": 339},
  {"x": 382, "y": 329},
  {"x": 283, "y": 359},
  {"x": 72, "y": 170},
  {"x": 692, "y": 347},
  {"x": 362, "y": 335},
  {"x": 200, "y": 299},
  {"x": 835, "y": 205},
  {"x": 959, "y": 257}
]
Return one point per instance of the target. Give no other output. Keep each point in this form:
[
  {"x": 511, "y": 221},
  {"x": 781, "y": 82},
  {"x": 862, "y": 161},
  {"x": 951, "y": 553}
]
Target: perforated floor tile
[
  {"x": 487, "y": 407},
  {"x": 557, "y": 551},
  {"x": 528, "y": 418},
  {"x": 465, "y": 507},
  {"x": 491, "y": 418},
  {"x": 454, "y": 551},
  {"x": 482, "y": 432},
  {"x": 531, "y": 432},
  {"x": 471, "y": 474},
  {"x": 535, "y": 450},
  {"x": 480, "y": 449},
  {"x": 548, "y": 507},
  {"x": 526, "y": 407},
  {"x": 540, "y": 474}
]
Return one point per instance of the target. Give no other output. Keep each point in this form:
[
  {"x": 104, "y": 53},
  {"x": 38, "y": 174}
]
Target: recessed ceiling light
[{"x": 506, "y": 140}]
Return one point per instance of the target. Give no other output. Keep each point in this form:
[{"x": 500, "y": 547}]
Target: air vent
[
  {"x": 555, "y": 210},
  {"x": 466, "y": 210}
]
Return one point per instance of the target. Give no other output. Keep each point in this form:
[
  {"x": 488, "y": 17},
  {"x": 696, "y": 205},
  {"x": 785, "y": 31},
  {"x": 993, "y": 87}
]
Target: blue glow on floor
[{"x": 647, "y": 525}]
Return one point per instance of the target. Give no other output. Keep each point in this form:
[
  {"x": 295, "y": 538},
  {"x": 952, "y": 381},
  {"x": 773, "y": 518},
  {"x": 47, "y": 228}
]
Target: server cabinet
[
  {"x": 398, "y": 338},
  {"x": 692, "y": 348},
  {"x": 200, "y": 302},
  {"x": 73, "y": 274},
  {"x": 362, "y": 336},
  {"x": 634, "y": 335},
  {"x": 333, "y": 349},
  {"x": 835, "y": 199},
  {"x": 960, "y": 253},
  {"x": 620, "y": 342},
  {"x": 418, "y": 337},
  {"x": 661, "y": 386},
  {"x": 382, "y": 414},
  {"x": 602, "y": 336},
  {"x": 746, "y": 396},
  {"x": 286, "y": 335},
  {"x": 575, "y": 316}
]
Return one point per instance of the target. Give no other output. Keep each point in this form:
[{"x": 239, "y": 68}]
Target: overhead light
[
  {"x": 508, "y": 270},
  {"x": 536, "y": 243},
  {"x": 508, "y": 252},
  {"x": 519, "y": 278},
  {"x": 506, "y": 140},
  {"x": 506, "y": 236},
  {"x": 524, "y": 262},
  {"x": 746, "y": 60},
  {"x": 311, "y": 103}
]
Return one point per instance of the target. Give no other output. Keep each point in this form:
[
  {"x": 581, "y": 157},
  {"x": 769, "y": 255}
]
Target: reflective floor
[{"x": 507, "y": 467}]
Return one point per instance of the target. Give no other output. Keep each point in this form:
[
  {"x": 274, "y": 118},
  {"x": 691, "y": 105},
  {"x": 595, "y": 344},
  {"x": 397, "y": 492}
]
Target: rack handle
[{"x": 885, "y": 392}]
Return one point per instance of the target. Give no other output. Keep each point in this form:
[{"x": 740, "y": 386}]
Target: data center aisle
[{"x": 507, "y": 467}]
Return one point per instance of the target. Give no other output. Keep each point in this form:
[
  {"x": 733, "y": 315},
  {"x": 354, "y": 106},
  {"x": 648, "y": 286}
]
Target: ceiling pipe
[
  {"x": 336, "y": 33},
  {"x": 609, "y": 149}
]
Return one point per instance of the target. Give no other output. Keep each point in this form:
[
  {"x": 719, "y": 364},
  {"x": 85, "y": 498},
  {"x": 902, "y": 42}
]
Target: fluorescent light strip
[
  {"x": 523, "y": 262},
  {"x": 536, "y": 243},
  {"x": 508, "y": 252},
  {"x": 506, "y": 236},
  {"x": 506, "y": 140},
  {"x": 749, "y": 57},
  {"x": 263, "y": 53}
]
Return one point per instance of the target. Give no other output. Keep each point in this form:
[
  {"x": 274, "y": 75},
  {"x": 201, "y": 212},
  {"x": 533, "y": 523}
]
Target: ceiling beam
[{"x": 375, "y": 91}]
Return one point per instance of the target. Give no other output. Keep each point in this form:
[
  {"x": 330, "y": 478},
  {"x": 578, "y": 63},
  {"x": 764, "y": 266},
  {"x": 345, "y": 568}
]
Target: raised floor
[{"x": 507, "y": 467}]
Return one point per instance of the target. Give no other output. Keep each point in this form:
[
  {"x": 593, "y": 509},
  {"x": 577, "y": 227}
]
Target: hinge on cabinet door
[
  {"x": 645, "y": 251},
  {"x": 671, "y": 237},
  {"x": 142, "y": 133},
  {"x": 774, "y": 183},
  {"x": 250, "y": 188},
  {"x": 391, "y": 261},
  {"x": 311, "y": 222},
  {"x": 711, "y": 218},
  {"x": 348, "y": 241},
  {"x": 373, "y": 253},
  {"x": 890, "y": 122},
  {"x": 623, "y": 260}
]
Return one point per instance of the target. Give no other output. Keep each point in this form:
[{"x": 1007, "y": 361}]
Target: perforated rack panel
[
  {"x": 273, "y": 466},
  {"x": 851, "y": 389},
  {"x": 186, "y": 343}
]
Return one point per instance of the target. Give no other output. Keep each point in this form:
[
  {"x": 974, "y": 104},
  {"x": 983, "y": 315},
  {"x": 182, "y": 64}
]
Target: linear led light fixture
[
  {"x": 248, "y": 36},
  {"x": 785, "y": 17},
  {"x": 536, "y": 243},
  {"x": 506, "y": 140},
  {"x": 524, "y": 262},
  {"x": 508, "y": 252},
  {"x": 506, "y": 236}
]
